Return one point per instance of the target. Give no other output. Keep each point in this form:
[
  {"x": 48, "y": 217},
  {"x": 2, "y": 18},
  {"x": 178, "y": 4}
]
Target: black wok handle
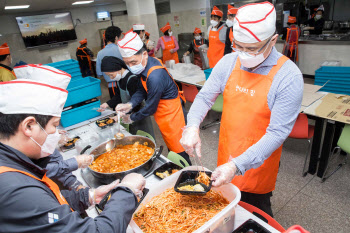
[
  {"x": 85, "y": 149},
  {"x": 158, "y": 154}
]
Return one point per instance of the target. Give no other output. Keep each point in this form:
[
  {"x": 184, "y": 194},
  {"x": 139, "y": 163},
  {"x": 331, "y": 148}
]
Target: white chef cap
[
  {"x": 130, "y": 44},
  {"x": 254, "y": 22},
  {"x": 138, "y": 27}
]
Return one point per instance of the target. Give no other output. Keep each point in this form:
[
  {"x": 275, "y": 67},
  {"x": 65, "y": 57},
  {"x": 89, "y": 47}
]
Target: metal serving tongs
[
  {"x": 200, "y": 162},
  {"x": 119, "y": 135}
]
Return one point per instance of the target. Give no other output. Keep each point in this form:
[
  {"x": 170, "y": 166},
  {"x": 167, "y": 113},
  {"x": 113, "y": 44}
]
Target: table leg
[
  {"x": 326, "y": 149},
  {"x": 316, "y": 145}
]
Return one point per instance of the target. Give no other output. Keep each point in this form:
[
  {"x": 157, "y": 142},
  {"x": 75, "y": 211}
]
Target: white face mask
[
  {"x": 250, "y": 61},
  {"x": 117, "y": 77},
  {"x": 171, "y": 33},
  {"x": 318, "y": 16},
  {"x": 50, "y": 143},
  {"x": 137, "y": 69},
  {"x": 197, "y": 37},
  {"x": 229, "y": 23},
  {"x": 214, "y": 23}
]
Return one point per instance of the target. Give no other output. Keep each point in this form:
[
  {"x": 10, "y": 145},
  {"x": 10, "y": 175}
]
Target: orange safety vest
[
  {"x": 196, "y": 56},
  {"x": 47, "y": 181},
  {"x": 291, "y": 43},
  {"x": 231, "y": 39},
  {"x": 245, "y": 124},
  {"x": 167, "y": 55},
  {"x": 9, "y": 71},
  {"x": 169, "y": 115},
  {"x": 216, "y": 47},
  {"x": 81, "y": 57}
]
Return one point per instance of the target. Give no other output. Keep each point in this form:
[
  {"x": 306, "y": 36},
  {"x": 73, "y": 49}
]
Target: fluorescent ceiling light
[
  {"x": 16, "y": 7},
  {"x": 61, "y": 15},
  {"x": 82, "y": 2}
]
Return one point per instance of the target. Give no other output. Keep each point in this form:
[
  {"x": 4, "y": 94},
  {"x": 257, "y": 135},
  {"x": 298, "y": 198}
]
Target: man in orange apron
[
  {"x": 6, "y": 72},
  {"x": 216, "y": 37},
  {"x": 291, "y": 37},
  {"x": 158, "y": 88},
  {"x": 231, "y": 13},
  {"x": 194, "y": 47},
  {"x": 262, "y": 92},
  {"x": 84, "y": 55},
  {"x": 169, "y": 44},
  {"x": 30, "y": 110}
]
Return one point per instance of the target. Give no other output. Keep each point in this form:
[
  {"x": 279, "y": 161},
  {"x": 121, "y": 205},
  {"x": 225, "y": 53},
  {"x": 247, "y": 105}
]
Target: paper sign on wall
[
  {"x": 177, "y": 21},
  {"x": 203, "y": 13},
  {"x": 204, "y": 21}
]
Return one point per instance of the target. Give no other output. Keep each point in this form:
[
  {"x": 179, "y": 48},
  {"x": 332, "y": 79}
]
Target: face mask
[
  {"x": 229, "y": 23},
  {"x": 197, "y": 37},
  {"x": 318, "y": 16},
  {"x": 117, "y": 77},
  {"x": 213, "y": 23},
  {"x": 137, "y": 69},
  {"x": 250, "y": 61},
  {"x": 50, "y": 143},
  {"x": 170, "y": 33}
]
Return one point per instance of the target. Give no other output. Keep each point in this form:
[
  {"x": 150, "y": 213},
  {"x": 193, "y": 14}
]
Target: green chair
[
  {"x": 145, "y": 134},
  {"x": 217, "y": 107},
  {"x": 177, "y": 159},
  {"x": 126, "y": 126},
  {"x": 342, "y": 144}
]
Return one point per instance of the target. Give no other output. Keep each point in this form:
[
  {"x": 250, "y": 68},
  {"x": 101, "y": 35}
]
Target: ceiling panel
[{"x": 47, "y": 5}]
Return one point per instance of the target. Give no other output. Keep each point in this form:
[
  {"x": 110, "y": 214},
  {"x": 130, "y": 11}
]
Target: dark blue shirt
[{"x": 160, "y": 85}]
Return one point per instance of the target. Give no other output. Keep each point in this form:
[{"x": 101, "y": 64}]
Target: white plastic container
[{"x": 222, "y": 222}]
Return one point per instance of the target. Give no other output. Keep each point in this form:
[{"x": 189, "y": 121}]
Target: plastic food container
[
  {"x": 169, "y": 166},
  {"x": 250, "y": 226},
  {"x": 189, "y": 178},
  {"x": 222, "y": 222},
  {"x": 207, "y": 73},
  {"x": 83, "y": 89},
  {"x": 104, "y": 121},
  {"x": 79, "y": 114}
]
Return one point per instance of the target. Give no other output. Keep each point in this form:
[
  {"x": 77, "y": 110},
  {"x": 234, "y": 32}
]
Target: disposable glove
[
  {"x": 191, "y": 141},
  {"x": 126, "y": 119},
  {"x": 224, "y": 174},
  {"x": 96, "y": 195},
  {"x": 123, "y": 109},
  {"x": 134, "y": 181},
  {"x": 84, "y": 160},
  {"x": 103, "y": 107}
]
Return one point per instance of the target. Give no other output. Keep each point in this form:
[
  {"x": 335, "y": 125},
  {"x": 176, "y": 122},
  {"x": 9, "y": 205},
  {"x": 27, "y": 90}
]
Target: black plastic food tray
[
  {"x": 189, "y": 178},
  {"x": 72, "y": 145},
  {"x": 250, "y": 226},
  {"x": 103, "y": 121},
  {"x": 169, "y": 166},
  {"x": 100, "y": 207}
]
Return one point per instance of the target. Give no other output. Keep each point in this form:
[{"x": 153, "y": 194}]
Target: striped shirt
[{"x": 284, "y": 101}]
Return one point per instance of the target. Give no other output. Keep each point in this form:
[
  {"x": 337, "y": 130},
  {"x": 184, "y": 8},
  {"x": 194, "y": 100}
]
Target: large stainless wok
[{"x": 143, "y": 169}]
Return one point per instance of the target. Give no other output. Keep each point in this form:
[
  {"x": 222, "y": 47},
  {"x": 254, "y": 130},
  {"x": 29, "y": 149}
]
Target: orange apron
[
  {"x": 196, "y": 55},
  {"x": 291, "y": 43},
  {"x": 9, "y": 71},
  {"x": 231, "y": 39},
  {"x": 245, "y": 118},
  {"x": 47, "y": 181},
  {"x": 84, "y": 56},
  {"x": 216, "y": 47},
  {"x": 167, "y": 55},
  {"x": 169, "y": 116}
]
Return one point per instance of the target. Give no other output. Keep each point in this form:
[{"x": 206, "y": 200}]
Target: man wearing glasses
[{"x": 262, "y": 92}]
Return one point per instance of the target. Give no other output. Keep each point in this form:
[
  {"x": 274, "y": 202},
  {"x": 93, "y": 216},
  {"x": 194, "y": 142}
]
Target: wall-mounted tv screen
[{"x": 46, "y": 29}]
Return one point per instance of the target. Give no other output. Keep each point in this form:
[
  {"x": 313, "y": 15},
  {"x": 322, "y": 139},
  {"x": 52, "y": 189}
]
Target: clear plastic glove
[
  {"x": 126, "y": 119},
  {"x": 64, "y": 137},
  {"x": 123, "y": 109},
  {"x": 224, "y": 174},
  {"x": 134, "y": 181},
  {"x": 185, "y": 54},
  {"x": 191, "y": 141},
  {"x": 84, "y": 160},
  {"x": 103, "y": 107},
  {"x": 96, "y": 195},
  {"x": 171, "y": 50}
]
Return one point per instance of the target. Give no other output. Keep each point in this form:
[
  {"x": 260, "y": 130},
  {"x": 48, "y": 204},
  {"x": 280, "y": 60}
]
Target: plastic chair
[
  {"x": 342, "y": 144},
  {"x": 190, "y": 92},
  {"x": 254, "y": 210},
  {"x": 302, "y": 130},
  {"x": 217, "y": 107},
  {"x": 145, "y": 134},
  {"x": 177, "y": 159}
]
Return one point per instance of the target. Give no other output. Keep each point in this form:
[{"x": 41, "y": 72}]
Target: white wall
[
  {"x": 88, "y": 28},
  {"x": 185, "y": 5}
]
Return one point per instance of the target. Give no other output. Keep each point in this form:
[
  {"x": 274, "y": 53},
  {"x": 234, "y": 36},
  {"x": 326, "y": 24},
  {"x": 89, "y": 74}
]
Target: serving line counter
[{"x": 92, "y": 135}]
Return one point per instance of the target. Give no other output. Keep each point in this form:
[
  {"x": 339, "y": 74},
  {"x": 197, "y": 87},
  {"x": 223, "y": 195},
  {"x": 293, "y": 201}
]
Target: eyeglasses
[{"x": 252, "y": 54}]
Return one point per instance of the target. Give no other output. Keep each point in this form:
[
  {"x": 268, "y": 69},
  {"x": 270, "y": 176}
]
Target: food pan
[
  {"x": 189, "y": 178},
  {"x": 250, "y": 226},
  {"x": 169, "y": 166}
]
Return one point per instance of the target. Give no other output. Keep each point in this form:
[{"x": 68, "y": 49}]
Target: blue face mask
[{"x": 137, "y": 69}]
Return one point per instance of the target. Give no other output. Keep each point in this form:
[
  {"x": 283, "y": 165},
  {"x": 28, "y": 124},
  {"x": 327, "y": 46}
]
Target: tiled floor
[{"x": 318, "y": 207}]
